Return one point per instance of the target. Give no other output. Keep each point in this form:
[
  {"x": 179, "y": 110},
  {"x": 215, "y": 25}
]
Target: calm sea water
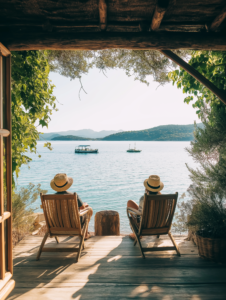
[{"x": 107, "y": 180}]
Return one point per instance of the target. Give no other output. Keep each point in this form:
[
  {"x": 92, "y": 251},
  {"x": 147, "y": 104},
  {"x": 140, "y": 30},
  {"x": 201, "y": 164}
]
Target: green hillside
[
  {"x": 160, "y": 133},
  {"x": 70, "y": 138}
]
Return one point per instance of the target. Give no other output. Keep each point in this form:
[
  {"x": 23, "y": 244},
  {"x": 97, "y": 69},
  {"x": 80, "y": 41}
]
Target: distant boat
[
  {"x": 85, "y": 149},
  {"x": 132, "y": 150}
]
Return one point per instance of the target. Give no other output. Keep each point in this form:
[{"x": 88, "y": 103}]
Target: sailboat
[{"x": 132, "y": 150}]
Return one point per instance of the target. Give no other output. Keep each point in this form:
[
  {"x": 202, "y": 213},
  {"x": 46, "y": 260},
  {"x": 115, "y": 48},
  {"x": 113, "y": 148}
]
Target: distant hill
[
  {"x": 85, "y": 133},
  {"x": 160, "y": 133},
  {"x": 48, "y": 136},
  {"x": 70, "y": 138}
]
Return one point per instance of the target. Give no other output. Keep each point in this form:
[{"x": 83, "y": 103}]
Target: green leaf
[{"x": 30, "y": 71}]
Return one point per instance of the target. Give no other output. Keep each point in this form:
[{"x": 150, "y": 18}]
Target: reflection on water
[{"x": 108, "y": 179}]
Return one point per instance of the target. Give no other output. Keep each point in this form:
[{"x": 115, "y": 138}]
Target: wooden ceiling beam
[
  {"x": 182, "y": 27},
  {"x": 221, "y": 94},
  {"x": 218, "y": 20},
  {"x": 110, "y": 40},
  {"x": 160, "y": 10},
  {"x": 103, "y": 14},
  {"x": 37, "y": 27}
]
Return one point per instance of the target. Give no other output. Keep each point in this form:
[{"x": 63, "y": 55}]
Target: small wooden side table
[{"x": 107, "y": 223}]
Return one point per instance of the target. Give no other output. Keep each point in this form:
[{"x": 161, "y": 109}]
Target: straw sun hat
[
  {"x": 61, "y": 182},
  {"x": 153, "y": 183}
]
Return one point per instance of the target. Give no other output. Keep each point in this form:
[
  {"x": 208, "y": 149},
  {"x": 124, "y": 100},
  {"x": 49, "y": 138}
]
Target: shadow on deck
[{"x": 112, "y": 268}]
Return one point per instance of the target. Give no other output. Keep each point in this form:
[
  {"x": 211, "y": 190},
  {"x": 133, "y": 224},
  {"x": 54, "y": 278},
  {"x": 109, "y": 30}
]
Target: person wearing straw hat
[
  {"x": 61, "y": 183},
  {"x": 153, "y": 186}
]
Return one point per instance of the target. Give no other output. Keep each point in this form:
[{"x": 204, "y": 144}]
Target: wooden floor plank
[
  {"x": 121, "y": 292},
  {"x": 96, "y": 275},
  {"x": 112, "y": 268}
]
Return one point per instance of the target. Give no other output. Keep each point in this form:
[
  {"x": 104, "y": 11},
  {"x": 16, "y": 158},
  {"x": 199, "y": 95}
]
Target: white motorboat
[{"x": 85, "y": 149}]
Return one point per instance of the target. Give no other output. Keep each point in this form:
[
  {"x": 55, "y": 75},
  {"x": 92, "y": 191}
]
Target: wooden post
[
  {"x": 103, "y": 14},
  {"x": 107, "y": 223},
  {"x": 2, "y": 232},
  {"x": 221, "y": 94},
  {"x": 9, "y": 162},
  {"x": 159, "y": 13},
  {"x": 218, "y": 20}
]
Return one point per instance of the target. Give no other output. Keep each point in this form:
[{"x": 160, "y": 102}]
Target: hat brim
[
  {"x": 64, "y": 188},
  {"x": 153, "y": 190}
]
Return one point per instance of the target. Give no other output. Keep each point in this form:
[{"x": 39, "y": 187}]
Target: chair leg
[
  {"x": 82, "y": 241},
  {"x": 174, "y": 243},
  {"x": 83, "y": 244},
  {"x": 57, "y": 240},
  {"x": 157, "y": 236},
  {"x": 42, "y": 245},
  {"x": 79, "y": 249},
  {"x": 141, "y": 250},
  {"x": 137, "y": 240}
]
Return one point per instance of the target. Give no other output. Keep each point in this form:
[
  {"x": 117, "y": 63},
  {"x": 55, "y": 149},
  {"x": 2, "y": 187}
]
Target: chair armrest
[
  {"x": 134, "y": 211},
  {"x": 83, "y": 212}
]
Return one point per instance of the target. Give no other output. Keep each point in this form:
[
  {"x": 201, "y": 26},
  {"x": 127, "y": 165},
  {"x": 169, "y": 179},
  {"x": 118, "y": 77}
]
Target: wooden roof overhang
[
  {"x": 102, "y": 24},
  {"x": 108, "y": 24}
]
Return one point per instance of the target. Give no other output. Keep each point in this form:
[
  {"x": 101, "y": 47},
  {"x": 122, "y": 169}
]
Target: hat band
[
  {"x": 153, "y": 187},
  {"x": 61, "y": 185}
]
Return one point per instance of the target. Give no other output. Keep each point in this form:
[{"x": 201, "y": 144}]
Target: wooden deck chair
[
  {"x": 62, "y": 218},
  {"x": 155, "y": 219}
]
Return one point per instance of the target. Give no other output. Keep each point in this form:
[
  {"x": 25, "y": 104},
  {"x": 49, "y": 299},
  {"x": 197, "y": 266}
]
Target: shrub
[
  {"x": 180, "y": 217},
  {"x": 22, "y": 210},
  {"x": 208, "y": 214},
  {"x": 204, "y": 214}
]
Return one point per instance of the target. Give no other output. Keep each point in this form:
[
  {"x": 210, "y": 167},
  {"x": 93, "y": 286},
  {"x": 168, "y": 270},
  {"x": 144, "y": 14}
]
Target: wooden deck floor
[{"x": 111, "y": 268}]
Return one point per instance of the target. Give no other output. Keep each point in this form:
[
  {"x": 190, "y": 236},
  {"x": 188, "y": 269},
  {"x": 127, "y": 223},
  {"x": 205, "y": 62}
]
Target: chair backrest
[
  {"x": 158, "y": 212},
  {"x": 61, "y": 214}
]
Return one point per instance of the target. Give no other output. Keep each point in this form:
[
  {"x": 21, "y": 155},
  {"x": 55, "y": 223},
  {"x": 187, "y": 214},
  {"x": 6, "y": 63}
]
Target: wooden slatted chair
[
  {"x": 62, "y": 218},
  {"x": 155, "y": 219}
]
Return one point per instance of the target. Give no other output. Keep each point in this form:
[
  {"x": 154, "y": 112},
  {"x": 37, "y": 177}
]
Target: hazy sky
[{"x": 116, "y": 102}]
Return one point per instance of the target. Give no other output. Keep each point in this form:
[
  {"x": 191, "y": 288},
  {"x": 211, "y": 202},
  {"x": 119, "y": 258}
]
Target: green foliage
[
  {"x": 209, "y": 151},
  {"x": 208, "y": 214},
  {"x": 206, "y": 211},
  {"x": 32, "y": 103},
  {"x": 160, "y": 133},
  {"x": 22, "y": 212},
  {"x": 212, "y": 65},
  {"x": 140, "y": 63},
  {"x": 209, "y": 147},
  {"x": 71, "y": 64}
]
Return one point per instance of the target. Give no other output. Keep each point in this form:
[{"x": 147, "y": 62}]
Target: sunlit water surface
[{"x": 107, "y": 180}]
